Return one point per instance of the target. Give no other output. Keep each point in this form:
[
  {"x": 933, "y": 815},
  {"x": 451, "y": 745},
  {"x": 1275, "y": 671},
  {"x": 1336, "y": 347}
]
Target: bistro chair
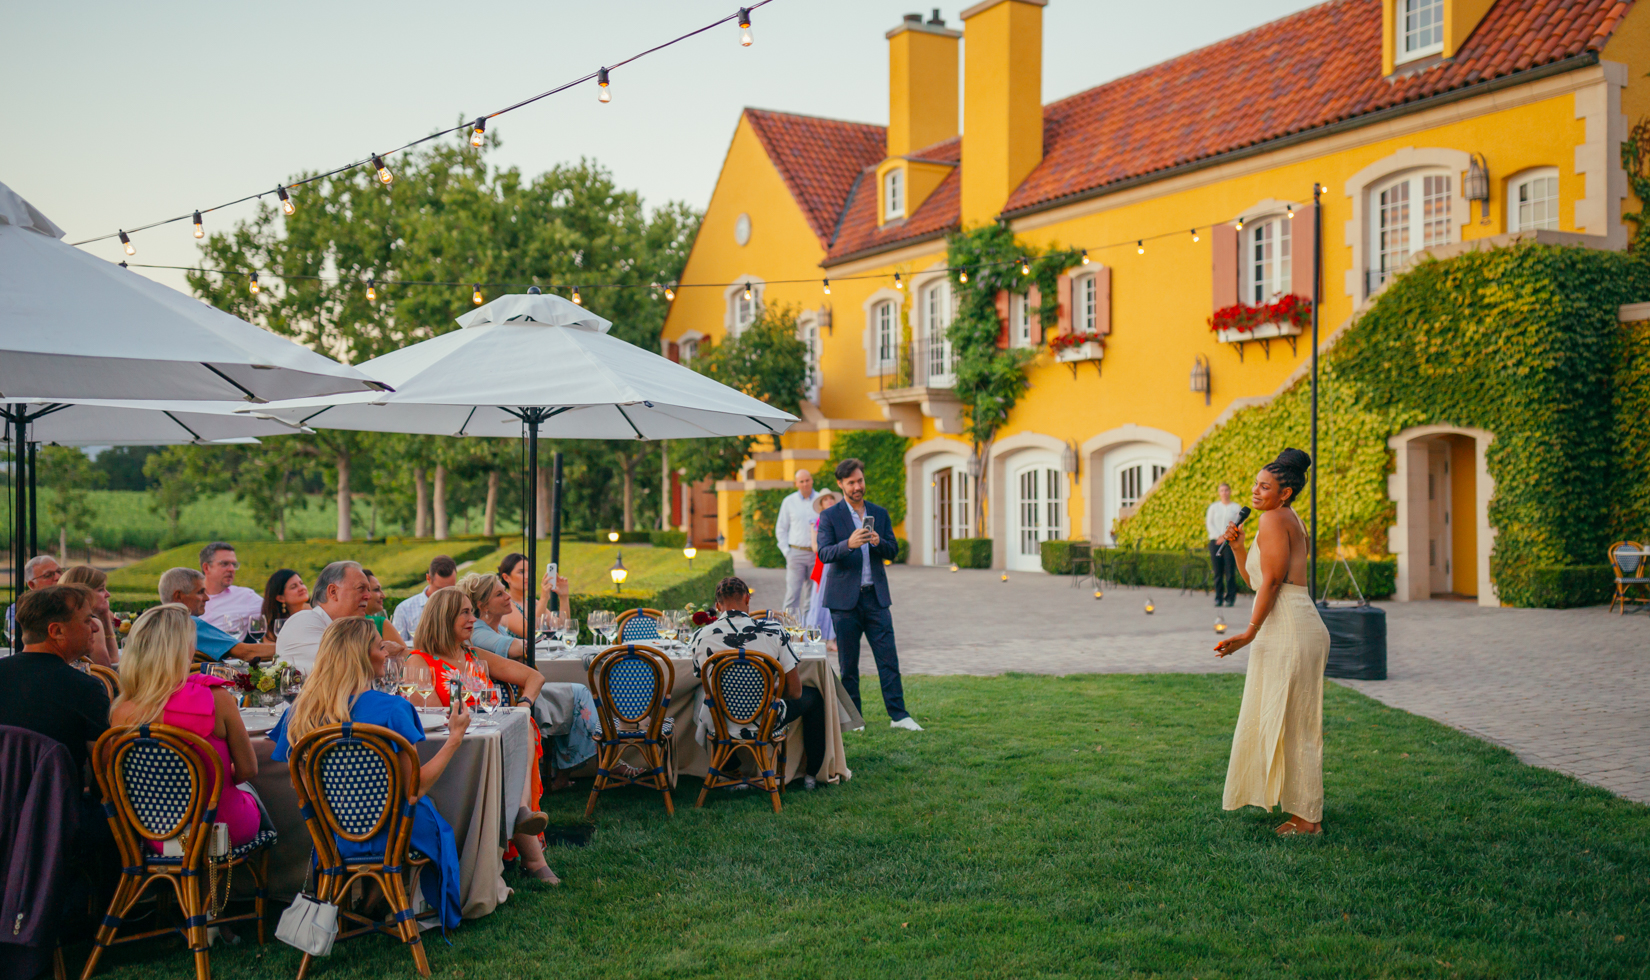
[
  {"x": 355, "y": 783},
  {"x": 631, "y": 686},
  {"x": 1627, "y": 561},
  {"x": 638, "y": 624},
  {"x": 1082, "y": 562},
  {"x": 109, "y": 677},
  {"x": 743, "y": 689},
  {"x": 160, "y": 784}
]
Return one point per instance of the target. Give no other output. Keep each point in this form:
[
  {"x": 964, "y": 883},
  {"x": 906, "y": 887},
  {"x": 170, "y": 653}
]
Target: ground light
[
  {"x": 613, "y": 536},
  {"x": 953, "y": 566},
  {"x": 618, "y": 572},
  {"x": 1151, "y": 607},
  {"x": 688, "y": 553},
  {"x": 1005, "y": 576},
  {"x": 1099, "y": 594},
  {"x": 1220, "y": 624}
]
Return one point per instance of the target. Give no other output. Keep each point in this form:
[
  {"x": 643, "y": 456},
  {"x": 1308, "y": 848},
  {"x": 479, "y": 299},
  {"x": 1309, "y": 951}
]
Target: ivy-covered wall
[{"x": 1520, "y": 341}]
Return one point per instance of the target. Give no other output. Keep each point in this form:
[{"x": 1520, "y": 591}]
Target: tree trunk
[
  {"x": 629, "y": 462},
  {"x": 543, "y": 529},
  {"x": 491, "y": 513},
  {"x": 440, "y": 502},
  {"x": 343, "y": 497},
  {"x": 372, "y": 519},
  {"x": 664, "y": 486},
  {"x": 421, "y": 517},
  {"x": 280, "y": 513},
  {"x": 63, "y": 546},
  {"x": 981, "y": 492}
]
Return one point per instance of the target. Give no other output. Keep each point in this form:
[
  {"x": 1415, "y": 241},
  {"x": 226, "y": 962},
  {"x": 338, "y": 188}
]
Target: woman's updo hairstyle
[{"x": 1290, "y": 468}]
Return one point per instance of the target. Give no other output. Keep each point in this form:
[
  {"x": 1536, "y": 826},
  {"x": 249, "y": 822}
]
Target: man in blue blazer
[{"x": 855, "y": 537}]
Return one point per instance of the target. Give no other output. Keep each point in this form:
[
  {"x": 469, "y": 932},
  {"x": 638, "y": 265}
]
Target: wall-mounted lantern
[
  {"x": 1477, "y": 186},
  {"x": 1200, "y": 376}
]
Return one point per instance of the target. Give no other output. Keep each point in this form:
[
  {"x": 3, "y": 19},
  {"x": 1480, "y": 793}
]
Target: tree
[
  {"x": 182, "y": 475},
  {"x": 268, "y": 478},
  {"x": 69, "y": 475}
]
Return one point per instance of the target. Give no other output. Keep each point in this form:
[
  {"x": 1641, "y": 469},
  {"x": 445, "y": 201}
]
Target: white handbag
[{"x": 309, "y": 924}]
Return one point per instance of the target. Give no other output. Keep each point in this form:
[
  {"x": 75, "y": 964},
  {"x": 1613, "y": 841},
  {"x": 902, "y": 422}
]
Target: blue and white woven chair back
[
  {"x": 744, "y": 690},
  {"x": 355, "y": 782},
  {"x": 1627, "y": 559},
  {"x": 639, "y": 627},
  {"x": 159, "y": 785},
  {"x": 632, "y": 686}
]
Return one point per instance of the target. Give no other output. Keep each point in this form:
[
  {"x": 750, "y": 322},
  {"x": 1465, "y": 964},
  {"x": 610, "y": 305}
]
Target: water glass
[
  {"x": 570, "y": 631},
  {"x": 256, "y": 626}
]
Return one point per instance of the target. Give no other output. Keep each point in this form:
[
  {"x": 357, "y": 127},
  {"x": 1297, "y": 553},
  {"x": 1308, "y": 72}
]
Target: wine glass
[
  {"x": 418, "y": 680},
  {"x": 275, "y": 627},
  {"x": 291, "y": 681},
  {"x": 390, "y": 681},
  {"x": 233, "y": 625},
  {"x": 256, "y": 626},
  {"x": 570, "y": 631},
  {"x": 667, "y": 626},
  {"x": 815, "y": 634}
]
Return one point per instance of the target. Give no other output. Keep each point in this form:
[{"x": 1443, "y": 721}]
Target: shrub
[
  {"x": 883, "y": 453},
  {"x": 397, "y": 565},
  {"x": 1182, "y": 569},
  {"x": 760, "y": 511},
  {"x": 1567, "y": 586},
  {"x": 971, "y": 552},
  {"x": 904, "y": 555},
  {"x": 700, "y": 589},
  {"x": 668, "y": 539},
  {"x": 1057, "y": 556}
]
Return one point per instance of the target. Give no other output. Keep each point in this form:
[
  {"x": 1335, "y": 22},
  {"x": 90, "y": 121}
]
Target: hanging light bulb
[
  {"x": 827, "y": 287},
  {"x": 576, "y": 298},
  {"x": 253, "y": 285},
  {"x": 601, "y": 82},
  {"x": 478, "y": 132},
  {"x": 1151, "y": 607},
  {"x": 1085, "y": 256},
  {"x": 962, "y": 276},
  {"x": 745, "y": 26},
  {"x": 383, "y": 171},
  {"x": 1289, "y": 211},
  {"x": 1140, "y": 247},
  {"x": 1240, "y": 224},
  {"x": 670, "y": 293},
  {"x": 1195, "y": 236},
  {"x": 286, "y": 201},
  {"x": 475, "y": 294},
  {"x": 898, "y": 282},
  {"x": 372, "y": 292},
  {"x": 1025, "y": 268},
  {"x": 200, "y": 230},
  {"x": 128, "y": 243},
  {"x": 747, "y": 290}
]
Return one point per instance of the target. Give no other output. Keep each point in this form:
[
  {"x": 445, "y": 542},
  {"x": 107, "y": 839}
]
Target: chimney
[
  {"x": 922, "y": 84},
  {"x": 1002, "y": 102}
]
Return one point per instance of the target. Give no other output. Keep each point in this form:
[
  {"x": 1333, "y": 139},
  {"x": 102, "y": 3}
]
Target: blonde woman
[
  {"x": 156, "y": 686},
  {"x": 339, "y": 689},
  {"x": 443, "y": 642},
  {"x": 105, "y": 646}
]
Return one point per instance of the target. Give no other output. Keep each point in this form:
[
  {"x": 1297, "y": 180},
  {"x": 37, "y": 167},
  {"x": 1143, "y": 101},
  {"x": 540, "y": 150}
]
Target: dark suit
[{"x": 861, "y": 610}]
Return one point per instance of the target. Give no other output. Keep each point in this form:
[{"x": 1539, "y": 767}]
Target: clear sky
[{"x": 118, "y": 114}]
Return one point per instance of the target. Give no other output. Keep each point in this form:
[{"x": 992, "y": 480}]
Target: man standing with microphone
[{"x": 1215, "y": 520}]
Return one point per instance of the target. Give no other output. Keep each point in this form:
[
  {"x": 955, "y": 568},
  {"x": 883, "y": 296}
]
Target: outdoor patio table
[
  {"x": 480, "y": 790},
  {"x": 692, "y": 759}
]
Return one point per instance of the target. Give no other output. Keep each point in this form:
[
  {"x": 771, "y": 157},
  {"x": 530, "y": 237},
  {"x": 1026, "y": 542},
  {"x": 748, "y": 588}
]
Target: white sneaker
[{"x": 908, "y": 723}]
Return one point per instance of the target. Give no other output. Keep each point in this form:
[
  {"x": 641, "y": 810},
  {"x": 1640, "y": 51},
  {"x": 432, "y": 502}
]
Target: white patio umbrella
[
  {"x": 544, "y": 363},
  {"x": 98, "y": 422}
]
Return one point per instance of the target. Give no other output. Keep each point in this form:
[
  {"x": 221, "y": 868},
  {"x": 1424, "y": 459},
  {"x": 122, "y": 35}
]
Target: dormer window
[
  {"x": 1423, "y": 28},
  {"x": 893, "y": 194}
]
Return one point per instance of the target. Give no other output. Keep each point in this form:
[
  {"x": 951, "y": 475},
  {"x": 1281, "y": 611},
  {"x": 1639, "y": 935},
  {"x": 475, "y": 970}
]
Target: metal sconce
[
  {"x": 1477, "y": 186},
  {"x": 1068, "y": 459},
  {"x": 1200, "y": 376},
  {"x": 974, "y": 467}
]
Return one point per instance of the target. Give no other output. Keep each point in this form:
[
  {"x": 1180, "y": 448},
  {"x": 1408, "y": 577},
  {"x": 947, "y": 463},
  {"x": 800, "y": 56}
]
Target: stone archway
[{"x": 1442, "y": 537}]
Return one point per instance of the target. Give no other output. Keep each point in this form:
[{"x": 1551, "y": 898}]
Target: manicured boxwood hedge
[
  {"x": 759, "y": 511},
  {"x": 668, "y": 539},
  {"x": 1566, "y": 587},
  {"x": 1180, "y": 569},
  {"x": 971, "y": 552}
]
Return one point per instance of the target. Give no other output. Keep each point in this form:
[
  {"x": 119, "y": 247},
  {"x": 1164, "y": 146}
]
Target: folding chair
[
  {"x": 355, "y": 782},
  {"x": 631, "y": 686},
  {"x": 1627, "y": 561},
  {"x": 1082, "y": 562},
  {"x": 161, "y": 783},
  {"x": 638, "y": 624},
  {"x": 743, "y": 689}
]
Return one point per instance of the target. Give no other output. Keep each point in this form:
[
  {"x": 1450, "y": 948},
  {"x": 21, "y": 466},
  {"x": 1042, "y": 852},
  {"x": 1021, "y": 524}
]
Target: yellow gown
[{"x": 1277, "y": 750}]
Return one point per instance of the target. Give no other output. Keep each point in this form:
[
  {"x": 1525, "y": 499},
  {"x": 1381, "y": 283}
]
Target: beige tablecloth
[
  {"x": 473, "y": 794},
  {"x": 692, "y": 759}
]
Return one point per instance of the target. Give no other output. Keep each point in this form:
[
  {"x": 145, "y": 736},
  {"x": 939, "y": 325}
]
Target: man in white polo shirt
[
  {"x": 443, "y": 574},
  {"x": 340, "y": 591},
  {"x": 228, "y": 606},
  {"x": 794, "y": 528}
]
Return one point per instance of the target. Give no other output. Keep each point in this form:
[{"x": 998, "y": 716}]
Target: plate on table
[
  {"x": 259, "y": 721},
  {"x": 433, "y": 721}
]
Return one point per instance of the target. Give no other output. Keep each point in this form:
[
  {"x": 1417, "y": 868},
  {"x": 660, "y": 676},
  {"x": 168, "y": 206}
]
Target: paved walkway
[{"x": 1565, "y": 689}]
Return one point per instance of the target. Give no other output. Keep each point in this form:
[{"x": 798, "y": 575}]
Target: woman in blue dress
[{"x": 340, "y": 688}]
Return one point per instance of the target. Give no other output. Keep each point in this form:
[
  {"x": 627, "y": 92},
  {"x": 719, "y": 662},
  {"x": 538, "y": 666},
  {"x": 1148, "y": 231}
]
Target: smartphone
[
  {"x": 870, "y": 523},
  {"x": 455, "y": 697},
  {"x": 550, "y": 571}
]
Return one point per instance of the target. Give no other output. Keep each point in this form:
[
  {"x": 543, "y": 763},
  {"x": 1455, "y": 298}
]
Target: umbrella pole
[
  {"x": 34, "y": 502},
  {"x": 528, "y": 618},
  {"x": 18, "y": 513},
  {"x": 555, "y": 521}
]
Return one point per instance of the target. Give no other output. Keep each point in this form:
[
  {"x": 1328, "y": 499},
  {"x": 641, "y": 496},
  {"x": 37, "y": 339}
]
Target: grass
[
  {"x": 586, "y": 566},
  {"x": 1066, "y": 827}
]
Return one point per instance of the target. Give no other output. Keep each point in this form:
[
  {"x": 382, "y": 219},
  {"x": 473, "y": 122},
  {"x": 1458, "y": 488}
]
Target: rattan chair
[
  {"x": 637, "y": 625},
  {"x": 1628, "y": 562},
  {"x": 744, "y": 689},
  {"x": 355, "y": 782},
  {"x": 631, "y": 686},
  {"x": 161, "y": 783},
  {"x": 109, "y": 676}
]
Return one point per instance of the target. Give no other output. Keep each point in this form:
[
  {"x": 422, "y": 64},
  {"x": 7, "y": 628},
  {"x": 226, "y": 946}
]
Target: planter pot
[
  {"x": 1265, "y": 331},
  {"x": 1091, "y": 351}
]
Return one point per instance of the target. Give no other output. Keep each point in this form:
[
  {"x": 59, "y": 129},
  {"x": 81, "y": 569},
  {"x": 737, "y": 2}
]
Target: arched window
[
  {"x": 1532, "y": 200},
  {"x": 1407, "y": 214},
  {"x": 893, "y": 194},
  {"x": 1266, "y": 259},
  {"x": 936, "y": 320}
]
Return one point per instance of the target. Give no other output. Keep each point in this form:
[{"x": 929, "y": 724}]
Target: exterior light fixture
[
  {"x": 1025, "y": 267},
  {"x": 253, "y": 285},
  {"x": 577, "y": 299},
  {"x": 1140, "y": 246},
  {"x": 1220, "y": 625},
  {"x": 898, "y": 283},
  {"x": 372, "y": 291},
  {"x": 127, "y": 242},
  {"x": 287, "y": 207},
  {"x": 475, "y": 294},
  {"x": 1099, "y": 594},
  {"x": 601, "y": 82},
  {"x": 827, "y": 287},
  {"x": 688, "y": 553},
  {"x": 962, "y": 276},
  {"x": 1289, "y": 211},
  {"x": 613, "y": 536},
  {"x": 1151, "y": 607},
  {"x": 1005, "y": 576},
  {"x": 618, "y": 572},
  {"x": 1477, "y": 185},
  {"x": 200, "y": 230},
  {"x": 478, "y": 132},
  {"x": 1200, "y": 376},
  {"x": 1240, "y": 224},
  {"x": 953, "y": 566},
  {"x": 1195, "y": 236},
  {"x": 744, "y": 26},
  {"x": 670, "y": 293},
  {"x": 748, "y": 287},
  {"x": 1085, "y": 256},
  {"x": 383, "y": 171}
]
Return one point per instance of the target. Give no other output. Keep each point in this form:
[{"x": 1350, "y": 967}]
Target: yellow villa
[{"x": 1428, "y": 123}]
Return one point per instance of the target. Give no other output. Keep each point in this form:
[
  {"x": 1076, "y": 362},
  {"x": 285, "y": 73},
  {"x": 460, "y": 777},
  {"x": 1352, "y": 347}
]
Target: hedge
[
  {"x": 760, "y": 511},
  {"x": 971, "y": 552},
  {"x": 1181, "y": 569},
  {"x": 668, "y": 539},
  {"x": 1567, "y": 586},
  {"x": 398, "y": 563},
  {"x": 883, "y": 453},
  {"x": 904, "y": 556},
  {"x": 699, "y": 590}
]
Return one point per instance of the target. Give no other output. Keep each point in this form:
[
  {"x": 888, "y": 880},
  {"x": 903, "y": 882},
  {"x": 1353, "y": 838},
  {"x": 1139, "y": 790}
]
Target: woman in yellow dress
[{"x": 1277, "y": 750}]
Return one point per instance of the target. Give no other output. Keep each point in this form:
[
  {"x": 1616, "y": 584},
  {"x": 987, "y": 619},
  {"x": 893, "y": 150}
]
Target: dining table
[
  {"x": 689, "y": 756},
  {"x": 478, "y": 794}
]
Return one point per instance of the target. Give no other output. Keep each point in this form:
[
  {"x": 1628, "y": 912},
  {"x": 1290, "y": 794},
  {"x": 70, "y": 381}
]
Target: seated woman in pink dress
[{"x": 157, "y": 687}]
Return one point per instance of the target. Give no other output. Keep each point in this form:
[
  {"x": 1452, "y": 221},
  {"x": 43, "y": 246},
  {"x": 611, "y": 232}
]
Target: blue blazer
[{"x": 836, "y": 525}]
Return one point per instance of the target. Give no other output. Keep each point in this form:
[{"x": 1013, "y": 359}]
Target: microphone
[{"x": 1243, "y": 515}]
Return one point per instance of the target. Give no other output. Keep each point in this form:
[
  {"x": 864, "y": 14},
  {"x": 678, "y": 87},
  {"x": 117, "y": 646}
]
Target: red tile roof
[
  {"x": 1308, "y": 70},
  {"x": 935, "y": 216},
  {"x": 818, "y": 160}
]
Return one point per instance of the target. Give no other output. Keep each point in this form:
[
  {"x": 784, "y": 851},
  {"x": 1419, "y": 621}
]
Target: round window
[{"x": 742, "y": 230}]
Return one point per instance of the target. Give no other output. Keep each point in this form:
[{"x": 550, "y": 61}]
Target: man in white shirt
[
  {"x": 1221, "y": 513},
  {"x": 795, "y": 532},
  {"x": 341, "y": 591},
  {"x": 443, "y": 574},
  {"x": 228, "y": 606}
]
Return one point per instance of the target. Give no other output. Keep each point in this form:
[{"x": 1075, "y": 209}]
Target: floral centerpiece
[{"x": 266, "y": 683}]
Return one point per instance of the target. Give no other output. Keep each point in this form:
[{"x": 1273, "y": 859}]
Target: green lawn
[
  {"x": 1065, "y": 827},
  {"x": 587, "y": 565}
]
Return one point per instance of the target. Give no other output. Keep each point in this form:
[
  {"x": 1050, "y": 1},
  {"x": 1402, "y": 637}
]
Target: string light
[
  {"x": 200, "y": 230},
  {"x": 670, "y": 294},
  {"x": 372, "y": 292},
  {"x": 962, "y": 276},
  {"x": 576, "y": 298},
  {"x": 1025, "y": 267},
  {"x": 827, "y": 287},
  {"x": 748, "y": 287},
  {"x": 478, "y": 132},
  {"x": 1195, "y": 236},
  {"x": 1240, "y": 224},
  {"x": 898, "y": 282},
  {"x": 475, "y": 294},
  {"x": 744, "y": 25},
  {"x": 383, "y": 171},
  {"x": 286, "y": 201},
  {"x": 1140, "y": 247},
  {"x": 1085, "y": 256},
  {"x": 601, "y": 81},
  {"x": 1289, "y": 211},
  {"x": 127, "y": 242},
  {"x": 253, "y": 285}
]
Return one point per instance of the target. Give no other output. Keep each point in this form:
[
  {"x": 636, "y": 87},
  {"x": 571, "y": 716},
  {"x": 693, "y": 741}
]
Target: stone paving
[{"x": 1564, "y": 689}]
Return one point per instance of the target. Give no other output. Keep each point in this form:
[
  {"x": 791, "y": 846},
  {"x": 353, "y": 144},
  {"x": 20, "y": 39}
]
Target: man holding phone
[{"x": 856, "y": 537}]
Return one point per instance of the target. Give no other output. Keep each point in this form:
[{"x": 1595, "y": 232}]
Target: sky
[{"x": 120, "y": 114}]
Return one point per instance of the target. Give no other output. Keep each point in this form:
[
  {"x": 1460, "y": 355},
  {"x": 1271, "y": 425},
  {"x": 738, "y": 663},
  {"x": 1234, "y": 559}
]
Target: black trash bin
[{"x": 1357, "y": 642}]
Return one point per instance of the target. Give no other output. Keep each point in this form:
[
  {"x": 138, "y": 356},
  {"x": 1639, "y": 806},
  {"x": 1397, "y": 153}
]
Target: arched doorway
[
  {"x": 940, "y": 498},
  {"x": 1128, "y": 472},
  {"x": 1037, "y": 507},
  {"x": 1442, "y": 538}
]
